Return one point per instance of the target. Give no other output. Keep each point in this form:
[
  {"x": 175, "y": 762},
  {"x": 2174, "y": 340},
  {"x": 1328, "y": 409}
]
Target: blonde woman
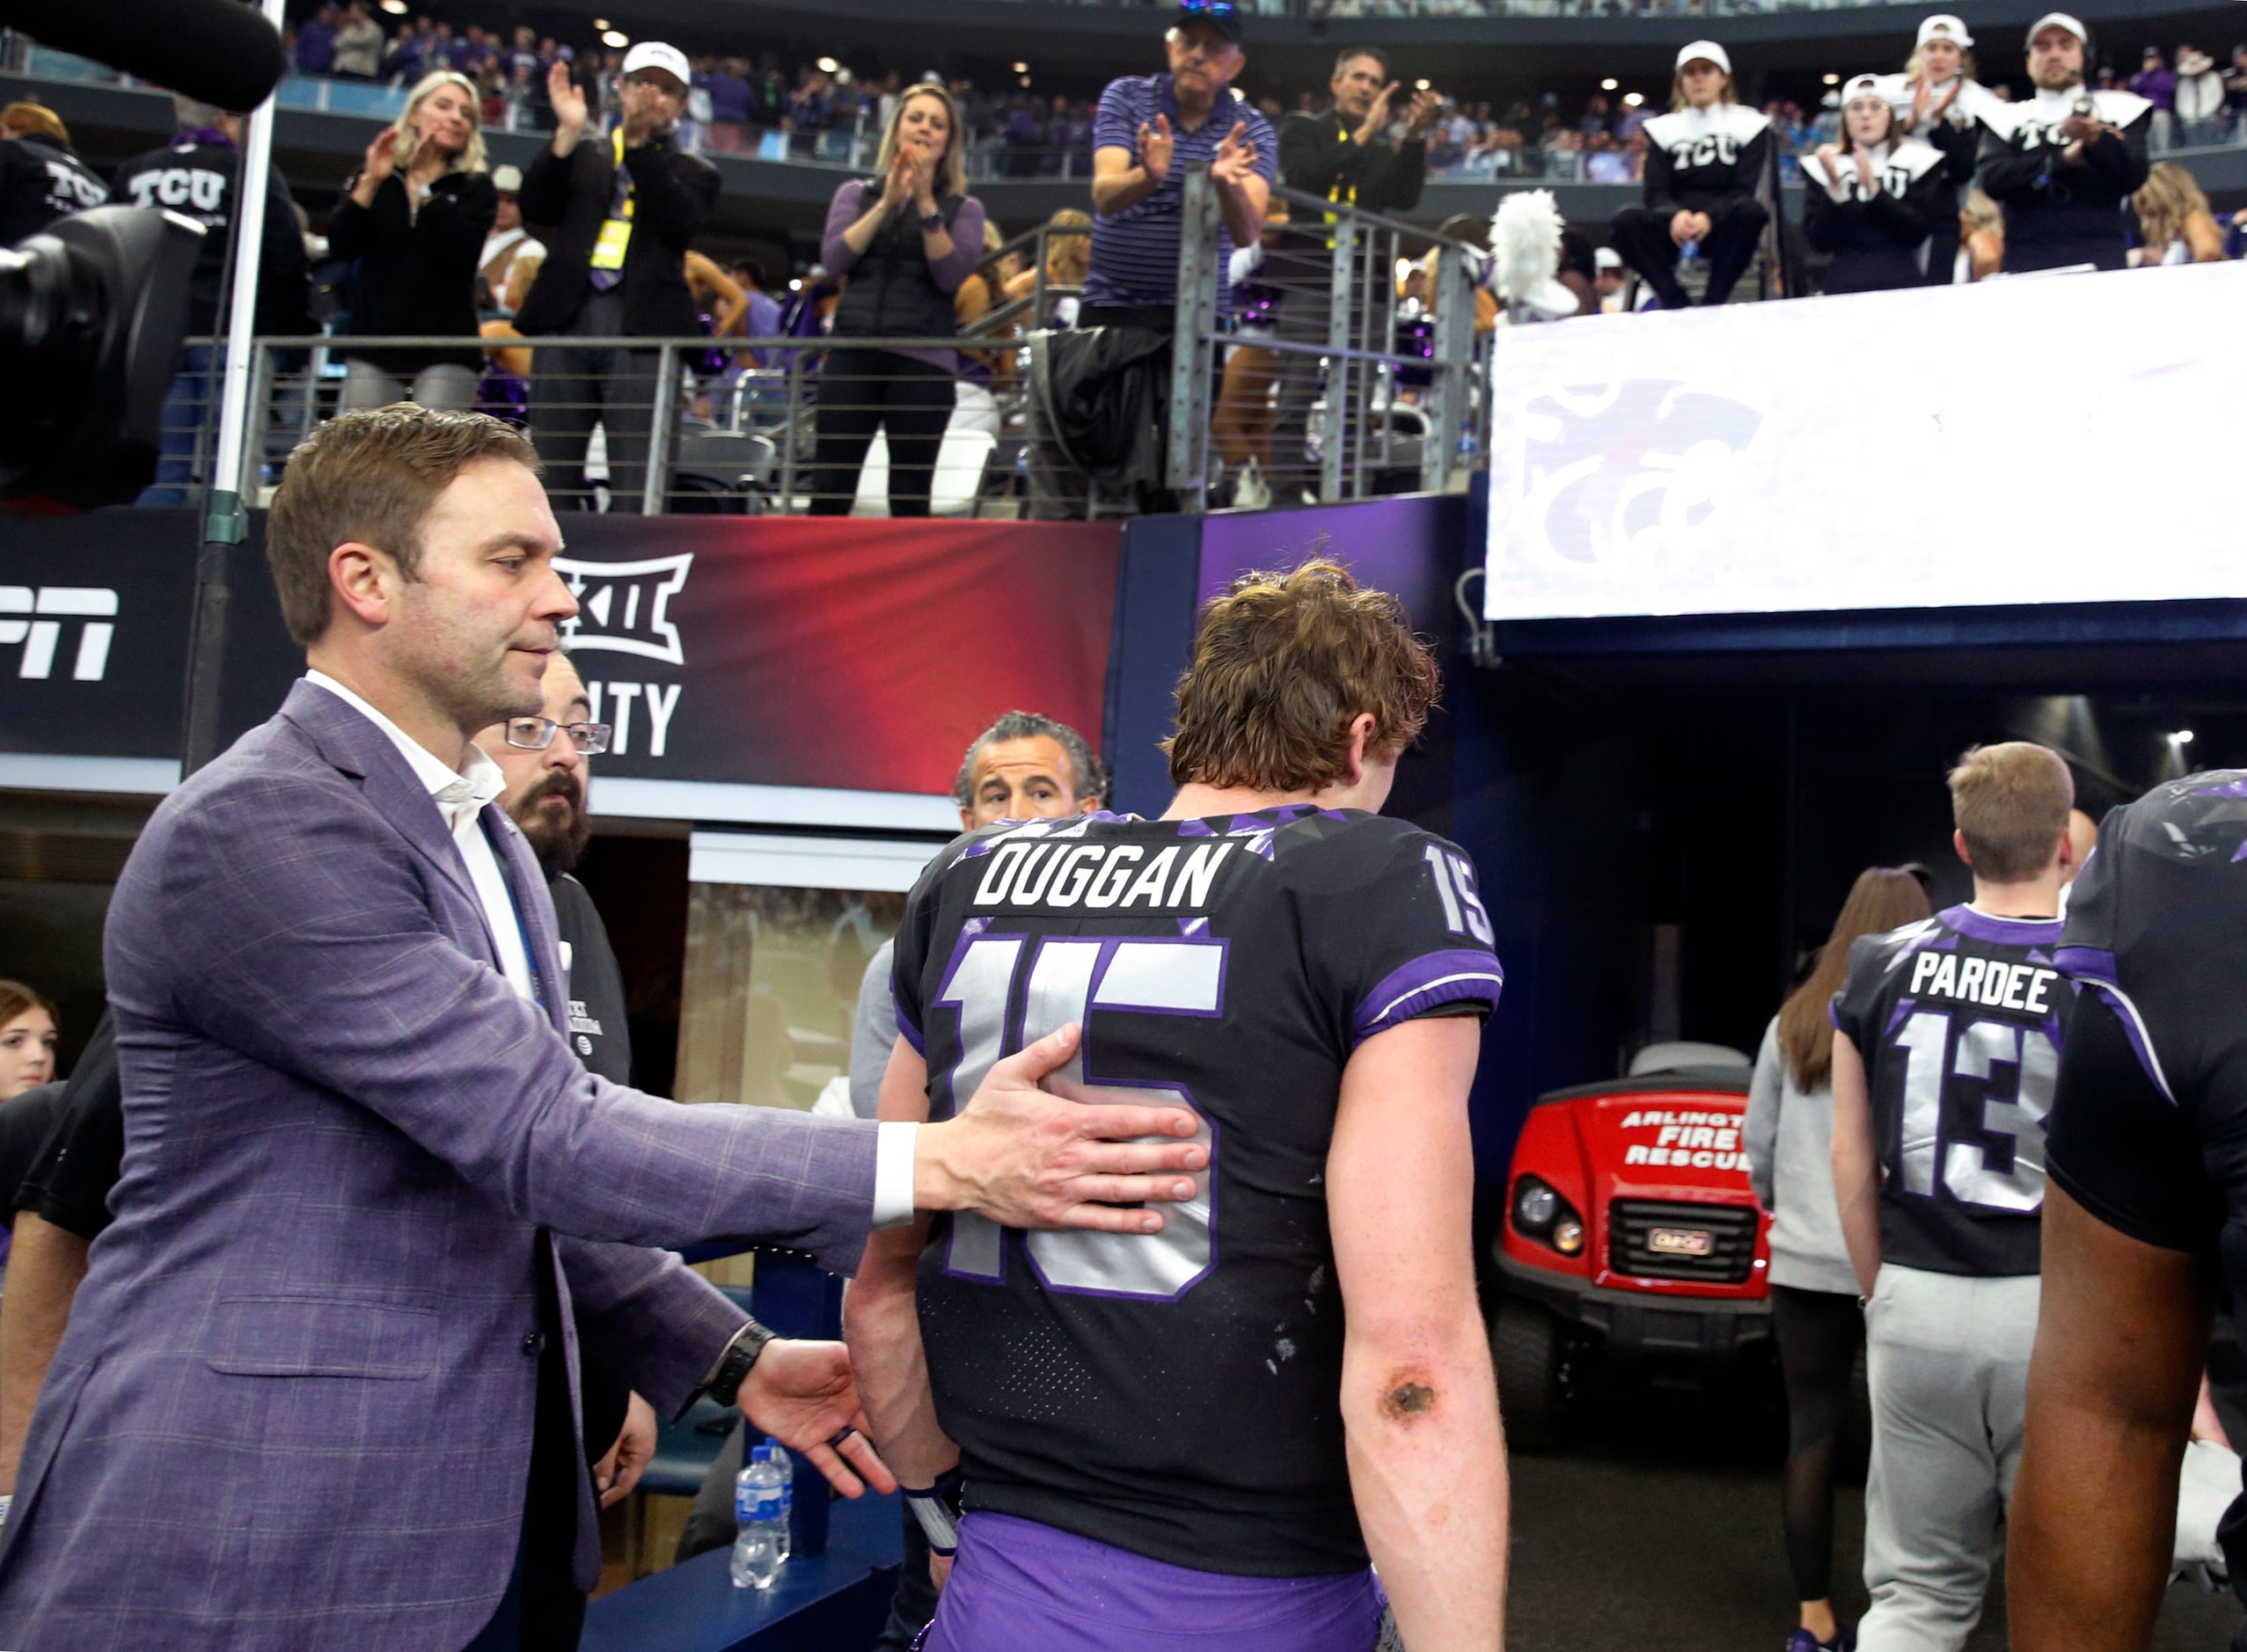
[
  {"x": 1981, "y": 231},
  {"x": 904, "y": 242},
  {"x": 1937, "y": 100},
  {"x": 1068, "y": 260},
  {"x": 415, "y": 218},
  {"x": 2174, "y": 221}
]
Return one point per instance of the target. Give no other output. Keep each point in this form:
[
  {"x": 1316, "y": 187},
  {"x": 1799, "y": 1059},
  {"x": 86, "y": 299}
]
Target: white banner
[{"x": 2051, "y": 439}]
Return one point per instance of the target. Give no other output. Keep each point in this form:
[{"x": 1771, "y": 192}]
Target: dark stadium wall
[{"x": 765, "y": 651}]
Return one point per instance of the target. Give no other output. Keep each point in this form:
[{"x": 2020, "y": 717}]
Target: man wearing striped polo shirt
[{"x": 1150, "y": 130}]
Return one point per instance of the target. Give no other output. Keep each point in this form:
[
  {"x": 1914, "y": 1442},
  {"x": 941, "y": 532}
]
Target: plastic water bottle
[
  {"x": 762, "y": 1525},
  {"x": 782, "y": 1461}
]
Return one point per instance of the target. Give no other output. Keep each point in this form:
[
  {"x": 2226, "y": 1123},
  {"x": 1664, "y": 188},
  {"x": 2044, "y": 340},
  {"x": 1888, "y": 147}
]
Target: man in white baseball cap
[
  {"x": 1705, "y": 161},
  {"x": 2062, "y": 163},
  {"x": 623, "y": 209}
]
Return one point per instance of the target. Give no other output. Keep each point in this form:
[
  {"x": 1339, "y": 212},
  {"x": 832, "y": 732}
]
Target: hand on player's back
[{"x": 1029, "y": 1160}]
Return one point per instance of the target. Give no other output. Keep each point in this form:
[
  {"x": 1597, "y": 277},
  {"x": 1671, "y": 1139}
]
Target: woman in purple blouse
[{"x": 903, "y": 242}]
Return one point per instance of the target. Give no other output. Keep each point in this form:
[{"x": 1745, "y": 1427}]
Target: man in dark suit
[
  {"x": 618, "y": 214},
  {"x": 369, "y": 1192}
]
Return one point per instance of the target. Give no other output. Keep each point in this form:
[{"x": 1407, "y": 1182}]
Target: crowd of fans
[
  {"x": 824, "y": 111},
  {"x": 1922, "y": 176}
]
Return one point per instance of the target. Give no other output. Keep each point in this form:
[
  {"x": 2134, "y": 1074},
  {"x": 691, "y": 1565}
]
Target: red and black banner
[{"x": 855, "y": 654}]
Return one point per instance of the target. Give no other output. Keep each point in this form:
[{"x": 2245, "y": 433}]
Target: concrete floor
[{"x": 1658, "y": 1526}]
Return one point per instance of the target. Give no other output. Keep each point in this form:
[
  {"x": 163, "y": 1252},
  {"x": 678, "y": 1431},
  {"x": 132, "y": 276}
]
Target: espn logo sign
[{"x": 35, "y": 619}]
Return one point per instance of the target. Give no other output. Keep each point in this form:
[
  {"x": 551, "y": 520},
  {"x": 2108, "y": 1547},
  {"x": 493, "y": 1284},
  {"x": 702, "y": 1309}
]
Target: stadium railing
[{"x": 1384, "y": 390}]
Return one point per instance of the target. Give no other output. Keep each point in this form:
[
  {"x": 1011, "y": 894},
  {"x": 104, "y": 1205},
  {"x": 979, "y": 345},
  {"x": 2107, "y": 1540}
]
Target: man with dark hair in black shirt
[
  {"x": 1947, "y": 1041},
  {"x": 2062, "y": 163},
  {"x": 1215, "y": 1420},
  {"x": 2147, "y": 1219},
  {"x": 1344, "y": 152}
]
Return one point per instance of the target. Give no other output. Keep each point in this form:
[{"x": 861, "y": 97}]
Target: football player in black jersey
[
  {"x": 2148, "y": 1212},
  {"x": 1204, "y": 1430},
  {"x": 1947, "y": 1044}
]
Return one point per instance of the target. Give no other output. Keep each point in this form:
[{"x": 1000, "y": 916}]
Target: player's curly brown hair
[{"x": 1282, "y": 664}]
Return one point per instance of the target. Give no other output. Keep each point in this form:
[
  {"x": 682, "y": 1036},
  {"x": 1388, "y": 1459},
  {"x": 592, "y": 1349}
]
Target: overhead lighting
[
  {"x": 1632, "y": 100},
  {"x": 396, "y": 8},
  {"x": 1608, "y": 85},
  {"x": 828, "y": 65},
  {"x": 1832, "y": 80},
  {"x": 600, "y": 23},
  {"x": 1419, "y": 85},
  {"x": 1026, "y": 80},
  {"x": 616, "y": 38},
  {"x": 1022, "y": 68},
  {"x": 2183, "y": 736}
]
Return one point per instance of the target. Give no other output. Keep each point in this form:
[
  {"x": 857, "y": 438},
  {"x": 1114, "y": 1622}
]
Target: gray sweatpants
[{"x": 1947, "y": 1359}]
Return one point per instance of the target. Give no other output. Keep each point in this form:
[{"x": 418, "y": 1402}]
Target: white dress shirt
[{"x": 460, "y": 800}]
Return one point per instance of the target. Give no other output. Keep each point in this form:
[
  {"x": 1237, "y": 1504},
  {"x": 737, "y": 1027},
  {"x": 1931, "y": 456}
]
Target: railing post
[
  {"x": 1187, "y": 472},
  {"x": 256, "y": 422},
  {"x": 654, "y": 493},
  {"x": 792, "y": 406},
  {"x": 1455, "y": 300},
  {"x": 1341, "y": 291}
]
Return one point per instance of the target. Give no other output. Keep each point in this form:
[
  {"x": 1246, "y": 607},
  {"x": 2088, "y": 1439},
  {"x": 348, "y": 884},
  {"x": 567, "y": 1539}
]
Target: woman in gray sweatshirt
[{"x": 1814, "y": 1311}]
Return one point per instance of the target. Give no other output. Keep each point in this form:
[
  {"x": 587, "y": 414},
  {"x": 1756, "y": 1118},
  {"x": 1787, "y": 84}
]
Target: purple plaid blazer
[{"x": 294, "y": 1405}]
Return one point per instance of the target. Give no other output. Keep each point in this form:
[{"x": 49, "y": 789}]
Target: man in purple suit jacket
[{"x": 322, "y": 1370}]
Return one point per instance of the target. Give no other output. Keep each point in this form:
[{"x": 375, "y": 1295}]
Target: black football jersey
[
  {"x": 1174, "y": 1395},
  {"x": 2153, "y": 1139},
  {"x": 1961, "y": 1020}
]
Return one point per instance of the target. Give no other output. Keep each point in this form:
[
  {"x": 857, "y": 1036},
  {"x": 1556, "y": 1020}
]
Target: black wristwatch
[
  {"x": 735, "y": 1364},
  {"x": 931, "y": 220}
]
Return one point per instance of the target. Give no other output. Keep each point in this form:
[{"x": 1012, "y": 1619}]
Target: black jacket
[
  {"x": 1875, "y": 238},
  {"x": 568, "y": 201},
  {"x": 196, "y": 177},
  {"x": 1706, "y": 160},
  {"x": 1099, "y": 400},
  {"x": 417, "y": 272},
  {"x": 40, "y": 182},
  {"x": 1319, "y": 155},
  {"x": 891, "y": 291},
  {"x": 2056, "y": 213}
]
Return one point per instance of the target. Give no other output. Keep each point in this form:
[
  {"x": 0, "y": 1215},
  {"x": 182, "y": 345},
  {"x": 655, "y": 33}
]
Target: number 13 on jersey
[{"x": 1975, "y": 1055}]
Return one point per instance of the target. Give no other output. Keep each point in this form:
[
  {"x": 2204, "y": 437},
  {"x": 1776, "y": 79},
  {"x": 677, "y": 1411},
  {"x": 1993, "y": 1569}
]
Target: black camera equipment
[
  {"x": 218, "y": 51},
  {"x": 92, "y": 312},
  {"x": 94, "y": 307}
]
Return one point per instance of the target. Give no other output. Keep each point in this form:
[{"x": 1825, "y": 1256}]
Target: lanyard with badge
[{"x": 616, "y": 229}]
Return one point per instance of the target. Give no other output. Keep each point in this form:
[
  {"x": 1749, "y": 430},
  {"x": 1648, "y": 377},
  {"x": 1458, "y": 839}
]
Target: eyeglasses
[{"x": 536, "y": 733}]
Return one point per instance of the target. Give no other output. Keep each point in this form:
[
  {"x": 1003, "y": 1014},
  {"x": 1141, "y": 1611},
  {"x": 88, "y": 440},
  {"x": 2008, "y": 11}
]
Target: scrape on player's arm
[
  {"x": 1419, "y": 1402},
  {"x": 1088, "y": 1188}
]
